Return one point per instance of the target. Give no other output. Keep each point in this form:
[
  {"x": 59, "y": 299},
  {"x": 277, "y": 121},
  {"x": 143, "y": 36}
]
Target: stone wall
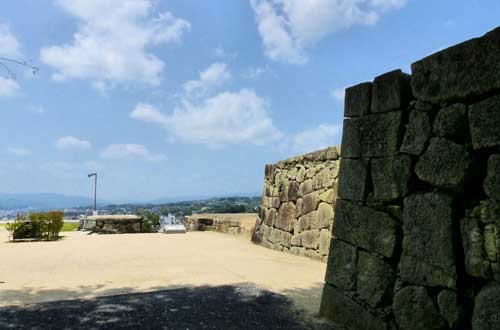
[
  {"x": 417, "y": 223},
  {"x": 112, "y": 224},
  {"x": 296, "y": 212},
  {"x": 229, "y": 223}
]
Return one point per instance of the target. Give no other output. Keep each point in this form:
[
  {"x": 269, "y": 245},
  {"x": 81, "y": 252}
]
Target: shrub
[
  {"x": 40, "y": 225},
  {"x": 150, "y": 221}
]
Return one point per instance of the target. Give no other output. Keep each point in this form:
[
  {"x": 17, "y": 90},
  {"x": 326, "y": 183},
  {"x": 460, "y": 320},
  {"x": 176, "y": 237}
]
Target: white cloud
[
  {"x": 112, "y": 41},
  {"x": 72, "y": 143},
  {"x": 8, "y": 87},
  {"x": 320, "y": 137},
  {"x": 9, "y": 46},
  {"x": 338, "y": 94},
  {"x": 215, "y": 75},
  {"x": 255, "y": 73},
  {"x": 130, "y": 151},
  {"x": 288, "y": 27},
  {"x": 19, "y": 151},
  {"x": 224, "y": 119}
]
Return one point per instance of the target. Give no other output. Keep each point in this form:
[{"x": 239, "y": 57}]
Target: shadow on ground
[{"x": 223, "y": 307}]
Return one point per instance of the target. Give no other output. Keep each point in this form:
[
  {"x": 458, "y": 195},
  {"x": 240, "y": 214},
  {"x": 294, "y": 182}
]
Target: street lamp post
[{"x": 95, "y": 190}]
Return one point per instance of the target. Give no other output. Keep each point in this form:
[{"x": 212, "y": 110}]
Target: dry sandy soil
[{"x": 85, "y": 266}]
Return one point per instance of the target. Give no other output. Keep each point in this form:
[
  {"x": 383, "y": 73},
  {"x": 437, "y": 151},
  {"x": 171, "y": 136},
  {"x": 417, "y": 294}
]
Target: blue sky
[{"x": 185, "y": 97}]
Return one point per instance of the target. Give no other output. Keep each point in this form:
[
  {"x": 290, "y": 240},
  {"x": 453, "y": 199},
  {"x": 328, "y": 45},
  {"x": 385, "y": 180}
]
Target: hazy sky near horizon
[{"x": 184, "y": 97}]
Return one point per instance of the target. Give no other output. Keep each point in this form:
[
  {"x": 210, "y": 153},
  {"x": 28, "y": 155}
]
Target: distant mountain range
[
  {"x": 61, "y": 201},
  {"x": 42, "y": 201}
]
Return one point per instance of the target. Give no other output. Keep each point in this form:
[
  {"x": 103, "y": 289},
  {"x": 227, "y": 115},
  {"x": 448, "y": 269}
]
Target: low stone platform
[
  {"x": 112, "y": 224},
  {"x": 230, "y": 223}
]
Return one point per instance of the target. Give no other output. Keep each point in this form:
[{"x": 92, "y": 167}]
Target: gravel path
[{"x": 222, "y": 307}]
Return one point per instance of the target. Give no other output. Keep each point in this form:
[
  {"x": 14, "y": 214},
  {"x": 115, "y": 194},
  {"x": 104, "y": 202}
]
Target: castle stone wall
[
  {"x": 296, "y": 213},
  {"x": 417, "y": 222}
]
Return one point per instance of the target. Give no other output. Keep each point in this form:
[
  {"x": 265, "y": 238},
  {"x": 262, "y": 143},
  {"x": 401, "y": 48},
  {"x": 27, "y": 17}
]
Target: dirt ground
[{"x": 86, "y": 266}]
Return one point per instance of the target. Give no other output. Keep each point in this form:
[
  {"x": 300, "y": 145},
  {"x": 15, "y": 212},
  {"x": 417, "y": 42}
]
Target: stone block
[
  {"x": 417, "y": 133},
  {"x": 298, "y": 251},
  {"x": 445, "y": 164},
  {"x": 285, "y": 239},
  {"x": 275, "y": 237},
  {"x": 486, "y": 314},
  {"x": 298, "y": 207},
  {"x": 381, "y": 134},
  {"x": 362, "y": 226},
  {"x": 310, "y": 202},
  {"x": 286, "y": 217},
  {"x": 271, "y": 215},
  {"x": 310, "y": 239},
  {"x": 428, "y": 257},
  {"x": 451, "y": 122},
  {"x": 391, "y": 177},
  {"x": 391, "y": 91},
  {"x": 358, "y": 100},
  {"x": 301, "y": 174},
  {"x": 324, "y": 179},
  {"x": 269, "y": 171},
  {"x": 469, "y": 69},
  {"x": 293, "y": 191},
  {"x": 324, "y": 215},
  {"x": 306, "y": 187},
  {"x": 344, "y": 311},
  {"x": 314, "y": 254},
  {"x": 492, "y": 182},
  {"x": 414, "y": 309},
  {"x": 327, "y": 196},
  {"x": 295, "y": 240},
  {"x": 374, "y": 280},
  {"x": 450, "y": 308},
  {"x": 342, "y": 265},
  {"x": 484, "y": 123},
  {"x": 306, "y": 222},
  {"x": 353, "y": 179},
  {"x": 324, "y": 242},
  {"x": 351, "y": 138}
]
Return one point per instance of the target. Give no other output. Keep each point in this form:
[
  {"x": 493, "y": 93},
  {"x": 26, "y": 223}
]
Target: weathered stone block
[
  {"x": 342, "y": 265},
  {"x": 285, "y": 238},
  {"x": 353, "y": 179},
  {"x": 450, "y": 308},
  {"x": 428, "y": 257},
  {"x": 417, "y": 133},
  {"x": 310, "y": 239},
  {"x": 314, "y": 254},
  {"x": 391, "y": 91},
  {"x": 293, "y": 191},
  {"x": 484, "y": 123},
  {"x": 381, "y": 134},
  {"x": 306, "y": 222},
  {"x": 469, "y": 69},
  {"x": 351, "y": 138},
  {"x": 270, "y": 170},
  {"x": 310, "y": 202},
  {"x": 346, "y": 312},
  {"x": 286, "y": 217},
  {"x": 295, "y": 240},
  {"x": 391, "y": 177},
  {"x": 486, "y": 315},
  {"x": 301, "y": 174},
  {"x": 324, "y": 179},
  {"x": 451, "y": 122},
  {"x": 414, "y": 310},
  {"x": 374, "y": 280},
  {"x": 275, "y": 236},
  {"x": 445, "y": 164},
  {"x": 324, "y": 241},
  {"x": 358, "y": 100},
  {"x": 362, "y": 226},
  {"x": 492, "y": 181},
  {"x": 324, "y": 215},
  {"x": 327, "y": 196},
  {"x": 298, "y": 251},
  {"x": 306, "y": 187}
]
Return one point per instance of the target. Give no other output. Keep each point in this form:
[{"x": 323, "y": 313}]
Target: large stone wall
[
  {"x": 296, "y": 212},
  {"x": 417, "y": 223}
]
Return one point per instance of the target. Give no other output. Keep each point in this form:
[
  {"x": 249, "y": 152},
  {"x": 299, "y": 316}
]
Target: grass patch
[{"x": 70, "y": 226}]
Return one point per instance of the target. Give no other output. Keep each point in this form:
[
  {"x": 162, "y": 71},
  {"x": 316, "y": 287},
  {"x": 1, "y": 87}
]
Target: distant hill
[
  {"x": 190, "y": 198},
  {"x": 42, "y": 201}
]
